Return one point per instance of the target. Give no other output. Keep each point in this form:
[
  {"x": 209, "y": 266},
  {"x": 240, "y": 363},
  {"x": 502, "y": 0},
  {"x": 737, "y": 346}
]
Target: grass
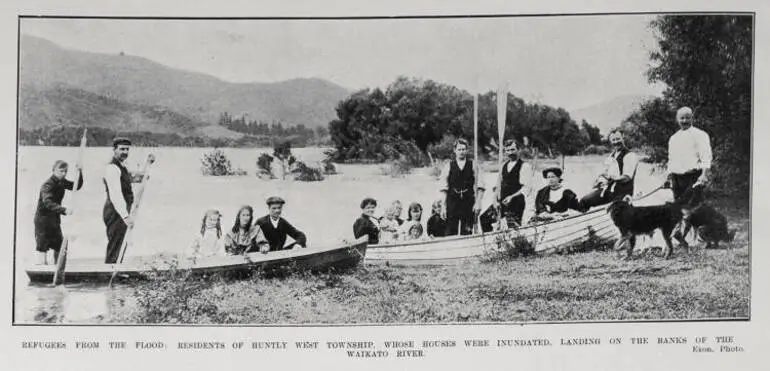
[{"x": 582, "y": 283}]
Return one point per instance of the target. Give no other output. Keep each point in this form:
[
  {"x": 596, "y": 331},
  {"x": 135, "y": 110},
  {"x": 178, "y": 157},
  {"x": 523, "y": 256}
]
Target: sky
[{"x": 570, "y": 62}]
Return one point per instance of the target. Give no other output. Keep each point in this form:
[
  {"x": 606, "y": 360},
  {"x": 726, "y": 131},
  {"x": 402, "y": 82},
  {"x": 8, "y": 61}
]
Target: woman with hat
[{"x": 555, "y": 199}]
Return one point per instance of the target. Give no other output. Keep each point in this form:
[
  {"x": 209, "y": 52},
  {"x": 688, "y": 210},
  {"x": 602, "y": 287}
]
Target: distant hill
[
  {"x": 610, "y": 113},
  {"x": 44, "y": 66}
]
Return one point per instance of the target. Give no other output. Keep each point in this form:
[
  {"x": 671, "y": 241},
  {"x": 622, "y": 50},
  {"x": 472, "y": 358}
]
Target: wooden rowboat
[
  {"x": 543, "y": 236},
  {"x": 312, "y": 259}
]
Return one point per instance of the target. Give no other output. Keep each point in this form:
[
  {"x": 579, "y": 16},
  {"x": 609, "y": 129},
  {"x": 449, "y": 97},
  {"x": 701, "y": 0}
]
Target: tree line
[
  {"x": 706, "y": 64},
  {"x": 299, "y": 133},
  {"x": 414, "y": 115}
]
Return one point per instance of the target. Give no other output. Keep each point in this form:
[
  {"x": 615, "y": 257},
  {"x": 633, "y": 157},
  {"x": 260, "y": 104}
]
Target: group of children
[{"x": 390, "y": 228}]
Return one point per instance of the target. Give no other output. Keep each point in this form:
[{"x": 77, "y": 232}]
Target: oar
[
  {"x": 477, "y": 223},
  {"x": 132, "y": 215},
  {"x": 502, "y": 110},
  {"x": 61, "y": 260}
]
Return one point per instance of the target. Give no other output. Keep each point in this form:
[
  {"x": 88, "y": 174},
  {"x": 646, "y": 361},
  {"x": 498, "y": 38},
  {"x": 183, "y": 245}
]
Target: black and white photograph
[{"x": 356, "y": 171}]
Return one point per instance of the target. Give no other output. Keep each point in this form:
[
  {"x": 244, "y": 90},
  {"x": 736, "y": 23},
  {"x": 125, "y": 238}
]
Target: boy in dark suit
[{"x": 277, "y": 228}]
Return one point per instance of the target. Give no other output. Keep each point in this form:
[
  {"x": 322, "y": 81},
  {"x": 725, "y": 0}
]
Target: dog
[
  {"x": 709, "y": 224},
  {"x": 632, "y": 221}
]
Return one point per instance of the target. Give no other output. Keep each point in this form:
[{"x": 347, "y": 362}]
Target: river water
[{"x": 177, "y": 196}]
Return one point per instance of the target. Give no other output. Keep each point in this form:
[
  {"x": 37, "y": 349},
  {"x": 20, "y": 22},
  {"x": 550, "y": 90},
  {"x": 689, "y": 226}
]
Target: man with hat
[
  {"x": 120, "y": 197},
  {"x": 276, "y": 228},
  {"x": 513, "y": 186},
  {"x": 689, "y": 164},
  {"x": 617, "y": 179}
]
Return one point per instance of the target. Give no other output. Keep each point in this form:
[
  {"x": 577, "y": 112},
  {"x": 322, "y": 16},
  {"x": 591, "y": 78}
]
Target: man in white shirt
[
  {"x": 689, "y": 164},
  {"x": 120, "y": 197},
  {"x": 514, "y": 181},
  {"x": 617, "y": 179},
  {"x": 462, "y": 189}
]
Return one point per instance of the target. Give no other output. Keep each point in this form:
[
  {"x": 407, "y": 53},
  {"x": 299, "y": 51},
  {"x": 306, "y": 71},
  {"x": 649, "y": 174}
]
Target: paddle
[
  {"x": 502, "y": 108},
  {"x": 61, "y": 260},
  {"x": 476, "y": 157},
  {"x": 133, "y": 214}
]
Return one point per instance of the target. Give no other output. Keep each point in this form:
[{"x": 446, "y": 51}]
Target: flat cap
[
  {"x": 275, "y": 200},
  {"x": 120, "y": 140}
]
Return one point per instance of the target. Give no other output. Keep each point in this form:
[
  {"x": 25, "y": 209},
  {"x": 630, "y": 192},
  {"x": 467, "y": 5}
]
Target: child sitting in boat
[
  {"x": 209, "y": 241},
  {"x": 245, "y": 236},
  {"x": 414, "y": 232},
  {"x": 414, "y": 215},
  {"x": 436, "y": 224},
  {"x": 389, "y": 225}
]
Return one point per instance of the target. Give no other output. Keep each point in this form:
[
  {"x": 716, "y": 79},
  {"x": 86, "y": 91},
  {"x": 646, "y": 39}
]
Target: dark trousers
[
  {"x": 459, "y": 210},
  {"x": 598, "y": 197},
  {"x": 682, "y": 187},
  {"x": 686, "y": 196},
  {"x": 48, "y": 235},
  {"x": 116, "y": 232},
  {"x": 514, "y": 210}
]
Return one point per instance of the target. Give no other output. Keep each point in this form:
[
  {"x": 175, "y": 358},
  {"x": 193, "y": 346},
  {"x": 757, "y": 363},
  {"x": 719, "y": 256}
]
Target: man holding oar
[
  {"x": 462, "y": 200},
  {"x": 689, "y": 164},
  {"x": 120, "y": 197},
  {"x": 48, "y": 234}
]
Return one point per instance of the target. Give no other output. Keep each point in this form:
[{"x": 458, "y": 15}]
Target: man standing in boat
[
  {"x": 120, "y": 197},
  {"x": 462, "y": 189},
  {"x": 689, "y": 164},
  {"x": 513, "y": 186},
  {"x": 617, "y": 180},
  {"x": 276, "y": 228}
]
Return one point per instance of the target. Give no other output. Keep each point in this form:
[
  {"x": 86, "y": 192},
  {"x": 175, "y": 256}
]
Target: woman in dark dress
[
  {"x": 367, "y": 224},
  {"x": 555, "y": 199},
  {"x": 48, "y": 234}
]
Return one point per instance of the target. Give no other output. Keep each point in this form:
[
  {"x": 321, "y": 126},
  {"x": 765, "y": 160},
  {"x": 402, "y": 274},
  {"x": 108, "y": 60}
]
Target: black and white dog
[{"x": 644, "y": 220}]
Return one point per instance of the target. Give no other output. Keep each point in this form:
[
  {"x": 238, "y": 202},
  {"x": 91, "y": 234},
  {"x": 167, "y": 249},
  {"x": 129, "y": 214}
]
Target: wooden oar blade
[{"x": 61, "y": 263}]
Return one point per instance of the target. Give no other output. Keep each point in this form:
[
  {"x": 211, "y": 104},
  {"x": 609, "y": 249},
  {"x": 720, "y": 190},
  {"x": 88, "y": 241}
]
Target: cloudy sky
[{"x": 564, "y": 61}]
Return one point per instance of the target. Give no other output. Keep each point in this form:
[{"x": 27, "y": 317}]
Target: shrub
[
  {"x": 397, "y": 168},
  {"x": 591, "y": 243},
  {"x": 328, "y": 162},
  {"x": 215, "y": 163},
  {"x": 408, "y": 151},
  {"x": 305, "y": 173},
  {"x": 444, "y": 149},
  {"x": 264, "y": 166},
  {"x": 595, "y": 149}
]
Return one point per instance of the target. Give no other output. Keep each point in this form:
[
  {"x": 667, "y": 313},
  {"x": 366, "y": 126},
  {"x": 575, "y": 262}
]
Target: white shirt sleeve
[
  {"x": 630, "y": 162},
  {"x": 443, "y": 178},
  {"x": 112, "y": 178},
  {"x": 479, "y": 176},
  {"x": 704, "y": 150},
  {"x": 525, "y": 178}
]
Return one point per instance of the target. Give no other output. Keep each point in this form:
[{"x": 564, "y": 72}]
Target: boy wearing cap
[
  {"x": 276, "y": 228},
  {"x": 120, "y": 197},
  {"x": 48, "y": 234}
]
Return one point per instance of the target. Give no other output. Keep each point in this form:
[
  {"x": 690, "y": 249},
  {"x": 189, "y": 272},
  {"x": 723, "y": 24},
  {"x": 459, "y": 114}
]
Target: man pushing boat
[{"x": 120, "y": 197}]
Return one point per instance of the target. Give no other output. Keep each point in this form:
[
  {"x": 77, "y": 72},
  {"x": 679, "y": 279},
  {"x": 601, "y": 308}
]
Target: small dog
[
  {"x": 644, "y": 220},
  {"x": 709, "y": 224}
]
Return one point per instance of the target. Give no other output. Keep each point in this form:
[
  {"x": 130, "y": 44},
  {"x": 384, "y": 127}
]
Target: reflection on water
[{"x": 68, "y": 303}]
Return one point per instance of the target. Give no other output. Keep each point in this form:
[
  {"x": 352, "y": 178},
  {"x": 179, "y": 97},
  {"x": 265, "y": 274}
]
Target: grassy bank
[{"x": 595, "y": 285}]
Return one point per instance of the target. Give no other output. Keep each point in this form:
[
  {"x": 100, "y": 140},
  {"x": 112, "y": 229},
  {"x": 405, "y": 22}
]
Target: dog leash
[{"x": 648, "y": 194}]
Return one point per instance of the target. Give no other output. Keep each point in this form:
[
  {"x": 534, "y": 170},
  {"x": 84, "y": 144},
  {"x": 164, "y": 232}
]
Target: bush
[
  {"x": 591, "y": 243},
  {"x": 408, "y": 151},
  {"x": 215, "y": 163},
  {"x": 328, "y": 162},
  {"x": 397, "y": 168},
  {"x": 306, "y": 173},
  {"x": 444, "y": 149},
  {"x": 264, "y": 166},
  {"x": 594, "y": 149}
]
